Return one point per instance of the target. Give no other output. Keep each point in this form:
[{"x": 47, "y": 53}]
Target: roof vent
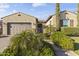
[
  {"x": 19, "y": 14},
  {"x": 66, "y": 13}
]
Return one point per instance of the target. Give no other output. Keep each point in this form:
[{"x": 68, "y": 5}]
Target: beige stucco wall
[
  {"x": 16, "y": 18},
  {"x": 63, "y": 15},
  {"x": 52, "y": 21}
]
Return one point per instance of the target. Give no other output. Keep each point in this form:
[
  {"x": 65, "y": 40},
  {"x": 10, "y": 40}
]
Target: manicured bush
[
  {"x": 70, "y": 31},
  {"x": 62, "y": 41},
  {"x": 27, "y": 44}
]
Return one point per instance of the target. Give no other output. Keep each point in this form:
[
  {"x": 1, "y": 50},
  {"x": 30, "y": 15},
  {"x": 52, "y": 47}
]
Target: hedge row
[
  {"x": 70, "y": 31},
  {"x": 63, "y": 41}
]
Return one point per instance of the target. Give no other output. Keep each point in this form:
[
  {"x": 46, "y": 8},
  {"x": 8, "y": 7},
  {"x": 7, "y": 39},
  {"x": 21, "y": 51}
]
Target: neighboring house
[
  {"x": 67, "y": 19},
  {"x": 18, "y": 22}
]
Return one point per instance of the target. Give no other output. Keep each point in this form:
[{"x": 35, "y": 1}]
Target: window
[
  {"x": 65, "y": 23},
  {"x": 61, "y": 23},
  {"x": 71, "y": 23}
]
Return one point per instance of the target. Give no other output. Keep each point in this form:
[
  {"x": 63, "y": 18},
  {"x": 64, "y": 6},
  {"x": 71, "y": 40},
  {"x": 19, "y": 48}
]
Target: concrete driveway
[{"x": 4, "y": 42}]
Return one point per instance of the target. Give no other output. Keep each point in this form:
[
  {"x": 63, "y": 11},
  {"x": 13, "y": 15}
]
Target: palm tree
[
  {"x": 58, "y": 16},
  {"x": 78, "y": 13}
]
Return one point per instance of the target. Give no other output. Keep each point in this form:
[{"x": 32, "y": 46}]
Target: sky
[{"x": 40, "y": 10}]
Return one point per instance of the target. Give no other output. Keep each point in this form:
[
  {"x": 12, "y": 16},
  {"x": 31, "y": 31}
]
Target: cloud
[
  {"x": 38, "y": 4},
  {"x": 3, "y": 9},
  {"x": 4, "y": 6}
]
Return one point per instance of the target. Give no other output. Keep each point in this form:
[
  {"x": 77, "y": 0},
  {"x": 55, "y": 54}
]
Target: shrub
[
  {"x": 46, "y": 50},
  {"x": 6, "y": 54},
  {"x": 27, "y": 44},
  {"x": 62, "y": 41},
  {"x": 66, "y": 44},
  {"x": 47, "y": 35},
  {"x": 70, "y": 31},
  {"x": 50, "y": 29}
]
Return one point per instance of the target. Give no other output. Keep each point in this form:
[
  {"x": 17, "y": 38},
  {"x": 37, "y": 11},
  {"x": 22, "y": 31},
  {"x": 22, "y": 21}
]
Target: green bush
[
  {"x": 47, "y": 35},
  {"x": 46, "y": 50},
  {"x": 63, "y": 41},
  {"x": 6, "y": 54},
  {"x": 49, "y": 29},
  {"x": 27, "y": 44},
  {"x": 70, "y": 31},
  {"x": 66, "y": 44}
]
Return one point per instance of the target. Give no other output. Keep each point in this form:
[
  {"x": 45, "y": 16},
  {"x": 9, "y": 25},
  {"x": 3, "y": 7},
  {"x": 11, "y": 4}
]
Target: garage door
[{"x": 17, "y": 28}]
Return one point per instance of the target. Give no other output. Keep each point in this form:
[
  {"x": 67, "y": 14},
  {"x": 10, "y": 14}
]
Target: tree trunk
[
  {"x": 58, "y": 16},
  {"x": 78, "y": 14}
]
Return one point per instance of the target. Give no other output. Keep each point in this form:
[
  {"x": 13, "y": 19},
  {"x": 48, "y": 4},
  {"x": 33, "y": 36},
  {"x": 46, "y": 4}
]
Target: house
[
  {"x": 67, "y": 19},
  {"x": 18, "y": 22}
]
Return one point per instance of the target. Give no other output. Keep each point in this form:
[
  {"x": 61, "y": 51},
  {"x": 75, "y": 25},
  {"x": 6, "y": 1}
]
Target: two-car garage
[{"x": 18, "y": 22}]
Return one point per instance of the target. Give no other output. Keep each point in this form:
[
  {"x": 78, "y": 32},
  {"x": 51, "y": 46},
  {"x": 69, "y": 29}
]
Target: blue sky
[{"x": 40, "y": 10}]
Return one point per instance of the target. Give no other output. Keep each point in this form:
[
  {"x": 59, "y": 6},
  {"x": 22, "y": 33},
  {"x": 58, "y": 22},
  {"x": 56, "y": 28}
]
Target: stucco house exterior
[
  {"x": 18, "y": 22},
  {"x": 67, "y": 19}
]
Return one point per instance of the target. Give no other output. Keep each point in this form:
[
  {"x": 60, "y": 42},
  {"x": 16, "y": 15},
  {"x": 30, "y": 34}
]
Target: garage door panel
[{"x": 17, "y": 28}]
